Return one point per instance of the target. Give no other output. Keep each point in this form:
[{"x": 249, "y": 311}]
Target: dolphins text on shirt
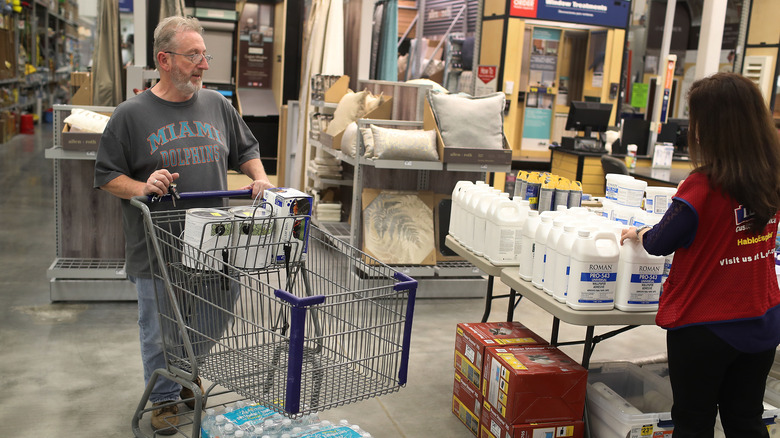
[{"x": 168, "y": 133}]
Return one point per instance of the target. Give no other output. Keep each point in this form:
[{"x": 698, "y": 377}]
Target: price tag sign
[{"x": 488, "y": 80}]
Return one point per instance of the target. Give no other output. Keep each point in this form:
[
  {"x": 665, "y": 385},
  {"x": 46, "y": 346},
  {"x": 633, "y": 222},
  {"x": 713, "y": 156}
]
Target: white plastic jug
[
  {"x": 467, "y": 226},
  {"x": 552, "y": 242},
  {"x": 456, "y": 211},
  {"x": 527, "y": 245},
  {"x": 562, "y": 261},
  {"x": 540, "y": 248},
  {"x": 503, "y": 232},
  {"x": 480, "y": 221},
  {"x": 638, "y": 279},
  {"x": 593, "y": 271}
]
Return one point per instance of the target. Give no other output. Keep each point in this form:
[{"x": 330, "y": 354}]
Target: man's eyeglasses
[{"x": 194, "y": 58}]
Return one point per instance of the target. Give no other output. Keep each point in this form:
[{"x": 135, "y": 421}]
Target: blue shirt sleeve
[{"x": 675, "y": 230}]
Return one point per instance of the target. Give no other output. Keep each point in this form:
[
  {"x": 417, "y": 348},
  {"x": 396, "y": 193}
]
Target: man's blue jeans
[{"x": 203, "y": 315}]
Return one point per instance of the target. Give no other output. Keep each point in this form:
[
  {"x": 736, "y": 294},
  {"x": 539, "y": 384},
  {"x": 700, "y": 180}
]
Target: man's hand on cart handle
[
  {"x": 158, "y": 182},
  {"x": 258, "y": 186}
]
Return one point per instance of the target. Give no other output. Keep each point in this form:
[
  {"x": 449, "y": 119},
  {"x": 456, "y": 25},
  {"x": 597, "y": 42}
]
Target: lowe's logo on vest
[{"x": 741, "y": 216}]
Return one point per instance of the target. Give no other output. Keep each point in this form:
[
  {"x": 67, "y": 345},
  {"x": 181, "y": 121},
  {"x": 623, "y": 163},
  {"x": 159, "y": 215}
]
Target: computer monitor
[{"x": 588, "y": 117}]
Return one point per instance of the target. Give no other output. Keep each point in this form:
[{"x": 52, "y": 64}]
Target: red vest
[{"x": 727, "y": 273}]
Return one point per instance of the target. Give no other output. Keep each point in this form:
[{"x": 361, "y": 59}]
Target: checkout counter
[{"x": 586, "y": 167}]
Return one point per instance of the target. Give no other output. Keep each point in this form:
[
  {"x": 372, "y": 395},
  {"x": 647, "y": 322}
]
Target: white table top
[
  {"x": 511, "y": 277},
  {"x": 480, "y": 262}
]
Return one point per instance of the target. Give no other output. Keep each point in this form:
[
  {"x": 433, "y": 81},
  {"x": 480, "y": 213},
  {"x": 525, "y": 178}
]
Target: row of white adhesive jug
[{"x": 575, "y": 256}]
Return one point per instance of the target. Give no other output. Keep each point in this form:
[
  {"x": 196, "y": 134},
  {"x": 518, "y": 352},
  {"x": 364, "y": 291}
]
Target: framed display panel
[{"x": 398, "y": 226}]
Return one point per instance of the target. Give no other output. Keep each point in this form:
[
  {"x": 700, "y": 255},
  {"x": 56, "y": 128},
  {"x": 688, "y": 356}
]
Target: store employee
[
  {"x": 175, "y": 131},
  {"x": 721, "y": 302}
]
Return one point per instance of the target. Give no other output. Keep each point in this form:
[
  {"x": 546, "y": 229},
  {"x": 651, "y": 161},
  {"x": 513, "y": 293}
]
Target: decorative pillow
[
  {"x": 349, "y": 109},
  {"x": 372, "y": 102},
  {"x": 349, "y": 139},
  {"x": 368, "y": 142},
  {"x": 81, "y": 120},
  {"x": 404, "y": 144},
  {"x": 434, "y": 85},
  {"x": 469, "y": 122}
]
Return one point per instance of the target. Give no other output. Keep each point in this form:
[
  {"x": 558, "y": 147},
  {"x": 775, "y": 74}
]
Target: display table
[
  {"x": 492, "y": 271},
  {"x": 562, "y": 312},
  {"x": 660, "y": 177}
]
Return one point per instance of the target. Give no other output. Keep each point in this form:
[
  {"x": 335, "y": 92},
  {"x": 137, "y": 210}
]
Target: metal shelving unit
[{"x": 79, "y": 279}]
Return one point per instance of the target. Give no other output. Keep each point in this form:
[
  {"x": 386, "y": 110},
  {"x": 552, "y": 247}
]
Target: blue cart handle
[{"x": 203, "y": 195}]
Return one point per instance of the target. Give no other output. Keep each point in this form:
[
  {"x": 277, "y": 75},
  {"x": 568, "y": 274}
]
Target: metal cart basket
[{"x": 297, "y": 321}]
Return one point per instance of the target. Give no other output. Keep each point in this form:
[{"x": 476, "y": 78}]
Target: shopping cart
[{"x": 298, "y": 322}]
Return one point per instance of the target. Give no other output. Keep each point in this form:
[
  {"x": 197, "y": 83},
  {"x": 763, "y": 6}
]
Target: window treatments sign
[{"x": 609, "y": 13}]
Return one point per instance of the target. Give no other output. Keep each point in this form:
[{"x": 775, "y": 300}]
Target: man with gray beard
[{"x": 174, "y": 131}]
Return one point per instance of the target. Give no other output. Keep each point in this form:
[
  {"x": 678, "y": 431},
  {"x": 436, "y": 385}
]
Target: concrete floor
[{"x": 74, "y": 368}]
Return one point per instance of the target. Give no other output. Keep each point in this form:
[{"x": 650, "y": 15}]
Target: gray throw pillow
[{"x": 469, "y": 122}]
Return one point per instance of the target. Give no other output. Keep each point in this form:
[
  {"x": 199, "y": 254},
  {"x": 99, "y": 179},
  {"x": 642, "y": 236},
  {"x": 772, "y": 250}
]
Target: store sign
[
  {"x": 486, "y": 73},
  {"x": 611, "y": 13},
  {"x": 488, "y": 80},
  {"x": 125, "y": 5}
]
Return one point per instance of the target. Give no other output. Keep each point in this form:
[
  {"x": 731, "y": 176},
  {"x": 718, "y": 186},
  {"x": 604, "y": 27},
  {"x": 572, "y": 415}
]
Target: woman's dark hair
[{"x": 733, "y": 140}]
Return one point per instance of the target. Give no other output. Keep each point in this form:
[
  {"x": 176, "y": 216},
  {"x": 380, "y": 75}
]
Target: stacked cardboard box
[
  {"x": 532, "y": 391},
  {"x": 471, "y": 342}
]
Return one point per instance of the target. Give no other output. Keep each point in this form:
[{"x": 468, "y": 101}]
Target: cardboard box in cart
[
  {"x": 471, "y": 339},
  {"x": 534, "y": 384},
  {"x": 492, "y": 425},
  {"x": 287, "y": 202}
]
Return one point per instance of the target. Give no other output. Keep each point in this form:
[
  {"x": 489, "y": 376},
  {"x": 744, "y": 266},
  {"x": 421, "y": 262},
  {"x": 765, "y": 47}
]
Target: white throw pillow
[{"x": 404, "y": 144}]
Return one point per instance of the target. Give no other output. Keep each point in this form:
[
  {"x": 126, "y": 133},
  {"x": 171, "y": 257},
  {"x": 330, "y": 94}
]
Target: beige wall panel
[
  {"x": 763, "y": 23},
  {"x": 494, "y": 7}
]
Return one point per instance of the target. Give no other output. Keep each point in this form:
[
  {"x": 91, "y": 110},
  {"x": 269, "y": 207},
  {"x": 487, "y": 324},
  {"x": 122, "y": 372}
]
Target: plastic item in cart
[
  {"x": 207, "y": 231},
  {"x": 527, "y": 245},
  {"x": 252, "y": 236},
  {"x": 593, "y": 271}
]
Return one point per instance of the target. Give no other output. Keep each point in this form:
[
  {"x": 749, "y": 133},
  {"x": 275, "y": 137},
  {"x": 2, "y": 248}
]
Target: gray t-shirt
[{"x": 200, "y": 139}]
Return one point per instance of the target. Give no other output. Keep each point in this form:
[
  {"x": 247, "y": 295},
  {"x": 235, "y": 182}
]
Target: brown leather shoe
[
  {"x": 164, "y": 419},
  {"x": 187, "y": 394}
]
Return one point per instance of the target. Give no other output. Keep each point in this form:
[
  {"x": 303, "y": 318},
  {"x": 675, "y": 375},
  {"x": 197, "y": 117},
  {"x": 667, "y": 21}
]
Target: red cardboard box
[
  {"x": 534, "y": 384},
  {"x": 493, "y": 426},
  {"x": 466, "y": 403},
  {"x": 472, "y": 338}
]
